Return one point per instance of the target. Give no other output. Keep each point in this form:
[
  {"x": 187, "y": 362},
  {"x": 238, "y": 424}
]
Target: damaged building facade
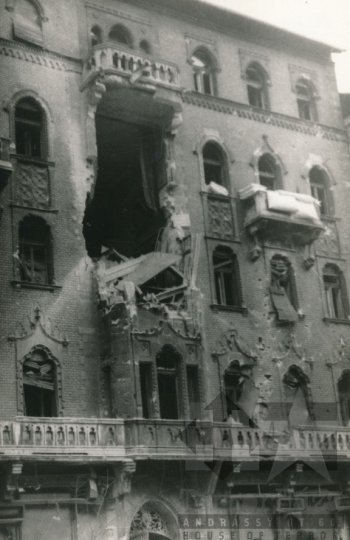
[{"x": 175, "y": 344}]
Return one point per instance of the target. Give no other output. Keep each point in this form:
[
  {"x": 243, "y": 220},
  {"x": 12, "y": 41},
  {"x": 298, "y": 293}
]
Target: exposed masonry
[
  {"x": 50, "y": 60},
  {"x": 267, "y": 117}
]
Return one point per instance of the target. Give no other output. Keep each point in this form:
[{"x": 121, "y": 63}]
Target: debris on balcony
[{"x": 217, "y": 189}]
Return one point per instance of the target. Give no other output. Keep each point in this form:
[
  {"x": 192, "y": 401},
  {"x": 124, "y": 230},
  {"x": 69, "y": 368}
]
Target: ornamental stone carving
[
  {"x": 148, "y": 519},
  {"x": 32, "y": 185},
  {"x": 220, "y": 218}
]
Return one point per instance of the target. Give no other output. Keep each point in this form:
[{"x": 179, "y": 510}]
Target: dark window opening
[
  {"x": 305, "y": 100},
  {"x": 193, "y": 391},
  {"x": 146, "y": 389},
  {"x": 233, "y": 382},
  {"x": 95, "y": 36},
  {"x": 283, "y": 289},
  {"x": 124, "y": 214},
  {"x": 35, "y": 251},
  {"x": 267, "y": 172},
  {"x": 203, "y": 73},
  {"x": 168, "y": 360},
  {"x": 255, "y": 87},
  {"x": 213, "y": 164},
  {"x": 335, "y": 291},
  {"x": 27, "y": 23},
  {"x": 320, "y": 190},
  {"x": 39, "y": 386},
  {"x": 344, "y": 396},
  {"x": 296, "y": 386},
  {"x": 29, "y": 128},
  {"x": 120, "y": 34},
  {"x": 226, "y": 277},
  {"x": 145, "y": 46}
]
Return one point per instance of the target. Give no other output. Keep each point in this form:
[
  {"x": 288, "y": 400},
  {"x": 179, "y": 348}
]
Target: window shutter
[
  {"x": 50, "y": 255},
  {"x": 285, "y": 310},
  {"x": 293, "y": 288},
  {"x": 237, "y": 277}
]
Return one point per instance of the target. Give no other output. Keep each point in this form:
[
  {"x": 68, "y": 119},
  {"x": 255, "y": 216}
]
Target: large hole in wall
[{"x": 124, "y": 214}]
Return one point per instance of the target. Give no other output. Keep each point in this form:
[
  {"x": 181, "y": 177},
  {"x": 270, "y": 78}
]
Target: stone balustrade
[
  {"x": 118, "y": 438},
  {"x": 138, "y": 67}
]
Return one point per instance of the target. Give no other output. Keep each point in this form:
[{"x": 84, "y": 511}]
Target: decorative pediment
[{"x": 37, "y": 329}]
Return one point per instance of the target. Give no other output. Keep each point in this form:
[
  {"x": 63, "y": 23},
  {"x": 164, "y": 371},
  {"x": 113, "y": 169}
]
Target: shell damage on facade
[{"x": 174, "y": 229}]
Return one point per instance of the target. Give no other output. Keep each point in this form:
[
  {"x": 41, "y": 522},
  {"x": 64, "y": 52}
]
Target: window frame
[
  {"x": 257, "y": 86},
  {"x": 227, "y": 253},
  {"x": 289, "y": 287},
  {"x": 321, "y": 183},
  {"x": 204, "y": 77},
  {"x": 305, "y": 98},
  {"x": 220, "y": 164},
  {"x": 335, "y": 293},
  {"x": 270, "y": 180},
  {"x": 344, "y": 399},
  {"x": 128, "y": 40},
  {"x": 28, "y": 127},
  {"x": 46, "y": 244}
]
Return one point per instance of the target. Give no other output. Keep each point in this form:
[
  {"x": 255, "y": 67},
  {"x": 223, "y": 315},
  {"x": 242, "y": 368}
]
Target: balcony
[
  {"x": 280, "y": 214},
  {"x": 113, "y": 440},
  {"x": 136, "y": 67}
]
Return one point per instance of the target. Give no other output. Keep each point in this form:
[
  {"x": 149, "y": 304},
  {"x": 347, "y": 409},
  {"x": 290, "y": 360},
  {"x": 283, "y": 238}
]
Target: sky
[{"x": 323, "y": 20}]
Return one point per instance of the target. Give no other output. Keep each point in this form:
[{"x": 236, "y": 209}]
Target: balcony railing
[
  {"x": 135, "y": 66},
  {"x": 281, "y": 213},
  {"x": 115, "y": 439}
]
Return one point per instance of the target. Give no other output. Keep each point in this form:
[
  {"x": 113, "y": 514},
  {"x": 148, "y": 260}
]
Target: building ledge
[
  {"x": 329, "y": 320},
  {"x": 237, "y": 309},
  {"x": 27, "y": 285},
  {"x": 264, "y": 116}
]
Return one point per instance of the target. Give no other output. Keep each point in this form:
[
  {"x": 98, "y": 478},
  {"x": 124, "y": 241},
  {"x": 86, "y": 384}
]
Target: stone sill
[
  {"x": 38, "y": 286},
  {"x": 34, "y": 209},
  {"x": 237, "y": 309},
  {"x": 328, "y": 320}
]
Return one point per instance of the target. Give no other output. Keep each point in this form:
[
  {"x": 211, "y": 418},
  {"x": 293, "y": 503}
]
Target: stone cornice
[
  {"x": 40, "y": 57},
  {"x": 265, "y": 117}
]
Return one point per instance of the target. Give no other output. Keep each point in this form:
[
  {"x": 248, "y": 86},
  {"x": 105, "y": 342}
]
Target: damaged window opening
[
  {"x": 168, "y": 365},
  {"x": 283, "y": 289},
  {"x": 203, "y": 73},
  {"x": 146, "y": 389},
  {"x": 256, "y": 87},
  {"x": 193, "y": 391},
  {"x": 319, "y": 185},
  {"x": 296, "y": 387},
  {"x": 344, "y": 396},
  {"x": 213, "y": 164},
  {"x": 120, "y": 34},
  {"x": 39, "y": 386},
  {"x": 233, "y": 382},
  {"x": 95, "y": 36},
  {"x": 267, "y": 172},
  {"x": 29, "y": 128},
  {"x": 335, "y": 291},
  {"x": 226, "y": 277},
  {"x": 35, "y": 251},
  {"x": 305, "y": 100},
  {"x": 124, "y": 214}
]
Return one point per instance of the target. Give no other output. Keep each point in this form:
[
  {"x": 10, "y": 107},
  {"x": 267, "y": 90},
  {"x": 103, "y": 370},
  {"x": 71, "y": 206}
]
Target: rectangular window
[
  {"x": 146, "y": 389},
  {"x": 304, "y": 109},
  {"x": 255, "y": 96},
  {"x": 193, "y": 391},
  {"x": 225, "y": 275},
  {"x": 333, "y": 297},
  {"x": 34, "y": 263},
  {"x": 319, "y": 193}
]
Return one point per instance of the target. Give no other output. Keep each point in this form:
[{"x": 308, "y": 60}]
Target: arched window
[
  {"x": 120, "y": 34},
  {"x": 256, "y": 86},
  {"x": 145, "y": 46},
  {"x": 319, "y": 185},
  {"x": 296, "y": 388},
  {"x": 168, "y": 366},
  {"x": 39, "y": 390},
  {"x": 306, "y": 100},
  {"x": 344, "y": 396},
  {"x": 35, "y": 251},
  {"x": 95, "y": 35},
  {"x": 268, "y": 172},
  {"x": 27, "y": 23},
  {"x": 214, "y": 165},
  {"x": 336, "y": 293},
  {"x": 203, "y": 72},
  {"x": 226, "y": 277},
  {"x": 29, "y": 123},
  {"x": 153, "y": 522}
]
